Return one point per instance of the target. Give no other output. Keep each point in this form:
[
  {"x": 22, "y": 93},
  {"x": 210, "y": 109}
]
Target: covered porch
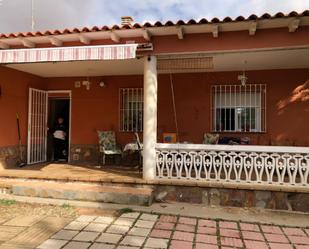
[{"x": 173, "y": 94}]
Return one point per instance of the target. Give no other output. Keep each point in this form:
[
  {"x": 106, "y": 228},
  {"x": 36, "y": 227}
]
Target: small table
[{"x": 131, "y": 147}]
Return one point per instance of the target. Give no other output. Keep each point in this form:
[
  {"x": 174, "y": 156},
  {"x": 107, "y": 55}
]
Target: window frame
[
  {"x": 132, "y": 113},
  {"x": 249, "y": 90}
]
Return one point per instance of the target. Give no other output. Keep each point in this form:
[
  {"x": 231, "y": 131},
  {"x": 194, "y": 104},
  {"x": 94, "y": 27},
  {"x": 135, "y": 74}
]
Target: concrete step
[{"x": 82, "y": 191}]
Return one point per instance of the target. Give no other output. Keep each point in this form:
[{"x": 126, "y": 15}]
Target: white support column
[{"x": 150, "y": 117}]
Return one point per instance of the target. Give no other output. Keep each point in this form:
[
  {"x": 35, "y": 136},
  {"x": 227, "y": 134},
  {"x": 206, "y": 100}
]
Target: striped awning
[{"x": 84, "y": 53}]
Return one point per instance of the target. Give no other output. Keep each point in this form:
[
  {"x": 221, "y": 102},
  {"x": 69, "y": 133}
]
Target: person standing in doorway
[{"x": 59, "y": 137}]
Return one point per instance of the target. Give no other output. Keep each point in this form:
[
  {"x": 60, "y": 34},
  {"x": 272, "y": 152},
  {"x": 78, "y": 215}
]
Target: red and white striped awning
[{"x": 84, "y": 53}]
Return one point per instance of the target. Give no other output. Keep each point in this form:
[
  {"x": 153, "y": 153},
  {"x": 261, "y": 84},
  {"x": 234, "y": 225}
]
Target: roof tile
[{"x": 156, "y": 24}]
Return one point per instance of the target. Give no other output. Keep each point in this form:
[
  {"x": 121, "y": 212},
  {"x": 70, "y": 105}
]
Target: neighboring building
[{"x": 240, "y": 78}]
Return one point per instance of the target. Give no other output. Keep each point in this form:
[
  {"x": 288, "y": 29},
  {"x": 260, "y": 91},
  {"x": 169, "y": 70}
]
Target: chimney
[{"x": 126, "y": 20}]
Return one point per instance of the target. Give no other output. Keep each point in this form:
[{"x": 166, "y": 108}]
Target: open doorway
[{"x": 58, "y": 107}]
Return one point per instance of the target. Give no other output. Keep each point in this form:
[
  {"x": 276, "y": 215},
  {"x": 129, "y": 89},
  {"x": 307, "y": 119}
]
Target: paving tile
[
  {"x": 165, "y": 225},
  {"x": 253, "y": 244},
  {"x": 271, "y": 229},
  {"x": 104, "y": 219},
  {"x": 23, "y": 221},
  {"x": 144, "y": 223},
  {"x": 96, "y": 227},
  {"x": 76, "y": 225},
  {"x": 118, "y": 229},
  {"x": 176, "y": 244},
  {"x": 207, "y": 223},
  {"x": 156, "y": 243},
  {"x": 207, "y": 230},
  {"x": 188, "y": 221},
  {"x": 138, "y": 231},
  {"x": 280, "y": 246},
  {"x": 65, "y": 234},
  {"x": 9, "y": 245},
  {"x": 164, "y": 234},
  {"x": 77, "y": 245},
  {"x": 229, "y": 233},
  {"x": 39, "y": 232},
  {"x": 233, "y": 242},
  {"x": 168, "y": 218},
  {"x": 132, "y": 215},
  {"x": 276, "y": 238},
  {"x": 86, "y": 218},
  {"x": 299, "y": 240},
  {"x": 128, "y": 247},
  {"x": 52, "y": 244},
  {"x": 249, "y": 227},
  {"x": 293, "y": 231},
  {"x": 109, "y": 238},
  {"x": 86, "y": 236},
  {"x": 101, "y": 246},
  {"x": 185, "y": 228},
  {"x": 228, "y": 224},
  {"x": 301, "y": 246},
  {"x": 3, "y": 220},
  {"x": 124, "y": 222},
  {"x": 208, "y": 239},
  {"x": 8, "y": 232},
  {"x": 130, "y": 240},
  {"x": 149, "y": 217},
  {"x": 183, "y": 236},
  {"x": 206, "y": 246},
  {"x": 252, "y": 235}
]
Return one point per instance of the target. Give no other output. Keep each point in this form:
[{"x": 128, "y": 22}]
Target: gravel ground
[{"x": 11, "y": 209}]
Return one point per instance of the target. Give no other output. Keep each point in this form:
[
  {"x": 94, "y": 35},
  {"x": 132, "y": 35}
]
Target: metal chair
[
  {"x": 140, "y": 152},
  {"x": 107, "y": 145}
]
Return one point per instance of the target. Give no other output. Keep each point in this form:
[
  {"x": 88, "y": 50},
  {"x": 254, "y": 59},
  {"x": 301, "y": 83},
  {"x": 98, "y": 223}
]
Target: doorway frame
[{"x": 69, "y": 92}]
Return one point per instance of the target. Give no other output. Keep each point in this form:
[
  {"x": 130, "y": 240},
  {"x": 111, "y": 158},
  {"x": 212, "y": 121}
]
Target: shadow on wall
[
  {"x": 299, "y": 94},
  {"x": 294, "y": 112}
]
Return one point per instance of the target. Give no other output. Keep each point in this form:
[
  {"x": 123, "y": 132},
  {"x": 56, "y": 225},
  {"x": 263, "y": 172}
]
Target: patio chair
[
  {"x": 140, "y": 152},
  {"x": 107, "y": 145}
]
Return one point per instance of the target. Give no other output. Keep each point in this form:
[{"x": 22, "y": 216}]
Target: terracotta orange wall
[
  {"x": 14, "y": 99},
  {"x": 98, "y": 107},
  {"x": 286, "y": 126},
  {"x": 264, "y": 38},
  {"x": 231, "y": 41}
]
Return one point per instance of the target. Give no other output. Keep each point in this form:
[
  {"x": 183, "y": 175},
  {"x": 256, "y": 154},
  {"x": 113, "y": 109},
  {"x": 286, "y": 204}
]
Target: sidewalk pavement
[{"x": 147, "y": 230}]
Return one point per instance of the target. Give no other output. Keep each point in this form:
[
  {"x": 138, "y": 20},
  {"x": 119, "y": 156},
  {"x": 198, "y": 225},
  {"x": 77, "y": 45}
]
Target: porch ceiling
[{"x": 222, "y": 61}]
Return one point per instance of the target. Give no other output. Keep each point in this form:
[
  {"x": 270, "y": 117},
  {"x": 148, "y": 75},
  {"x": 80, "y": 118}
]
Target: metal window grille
[
  {"x": 131, "y": 102},
  {"x": 239, "y": 108}
]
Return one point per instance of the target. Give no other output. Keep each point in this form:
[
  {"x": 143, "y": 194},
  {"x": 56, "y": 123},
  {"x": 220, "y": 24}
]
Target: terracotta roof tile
[
  {"x": 239, "y": 19},
  {"x": 181, "y": 22},
  {"x": 156, "y": 24}
]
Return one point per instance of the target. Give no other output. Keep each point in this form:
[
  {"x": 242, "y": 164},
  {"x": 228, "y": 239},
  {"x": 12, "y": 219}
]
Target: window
[
  {"x": 131, "y": 109},
  {"x": 238, "y": 108}
]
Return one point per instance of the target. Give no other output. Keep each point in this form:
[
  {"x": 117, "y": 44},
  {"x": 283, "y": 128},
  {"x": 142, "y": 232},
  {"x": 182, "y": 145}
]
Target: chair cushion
[
  {"x": 210, "y": 138},
  {"x": 112, "y": 152},
  {"x": 107, "y": 139}
]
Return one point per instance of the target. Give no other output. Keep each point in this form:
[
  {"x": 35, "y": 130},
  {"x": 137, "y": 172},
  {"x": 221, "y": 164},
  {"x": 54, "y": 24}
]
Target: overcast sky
[{"x": 15, "y": 15}]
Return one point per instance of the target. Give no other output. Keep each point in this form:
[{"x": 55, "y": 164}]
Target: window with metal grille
[
  {"x": 131, "y": 104},
  {"x": 239, "y": 108}
]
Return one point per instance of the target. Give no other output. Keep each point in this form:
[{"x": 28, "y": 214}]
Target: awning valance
[{"x": 81, "y": 53}]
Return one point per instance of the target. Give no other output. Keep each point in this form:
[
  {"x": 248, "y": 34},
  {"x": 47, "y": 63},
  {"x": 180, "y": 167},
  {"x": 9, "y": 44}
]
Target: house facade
[{"x": 243, "y": 78}]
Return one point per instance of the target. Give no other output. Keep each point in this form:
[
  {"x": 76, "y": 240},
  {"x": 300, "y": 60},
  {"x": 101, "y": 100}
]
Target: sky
[{"x": 15, "y": 15}]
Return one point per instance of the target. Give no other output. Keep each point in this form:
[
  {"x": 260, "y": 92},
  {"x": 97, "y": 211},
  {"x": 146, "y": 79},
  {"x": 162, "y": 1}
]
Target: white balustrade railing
[{"x": 243, "y": 164}]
